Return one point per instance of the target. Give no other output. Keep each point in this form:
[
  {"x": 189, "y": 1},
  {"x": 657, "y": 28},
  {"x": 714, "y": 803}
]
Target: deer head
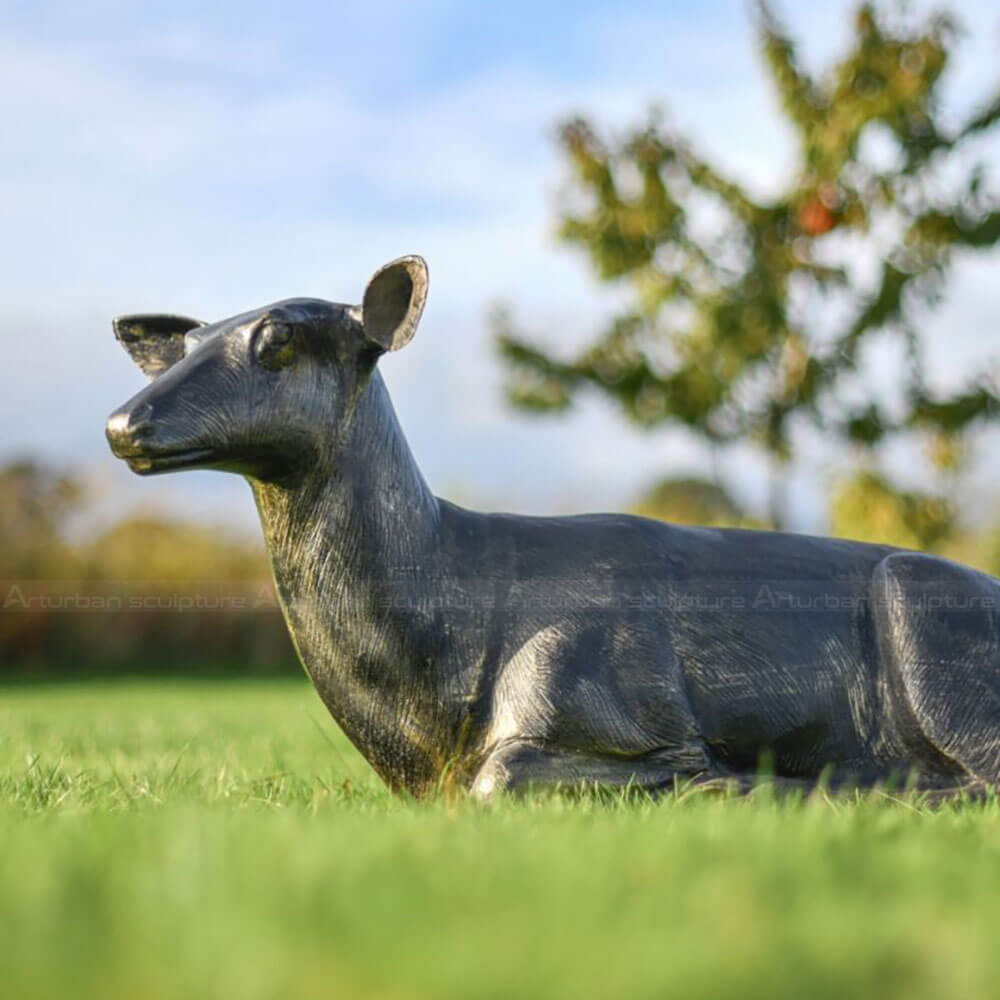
[{"x": 264, "y": 393}]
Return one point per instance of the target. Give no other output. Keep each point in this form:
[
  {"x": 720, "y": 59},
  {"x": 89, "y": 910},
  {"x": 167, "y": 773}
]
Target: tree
[
  {"x": 747, "y": 316},
  {"x": 163, "y": 551},
  {"x": 130, "y": 584},
  {"x": 867, "y": 507},
  {"x": 36, "y": 506},
  {"x": 690, "y": 500}
]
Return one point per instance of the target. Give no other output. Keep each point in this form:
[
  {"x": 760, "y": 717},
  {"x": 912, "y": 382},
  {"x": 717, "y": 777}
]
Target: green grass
[{"x": 222, "y": 840}]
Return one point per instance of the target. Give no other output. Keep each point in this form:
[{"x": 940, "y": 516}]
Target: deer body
[{"x": 505, "y": 651}]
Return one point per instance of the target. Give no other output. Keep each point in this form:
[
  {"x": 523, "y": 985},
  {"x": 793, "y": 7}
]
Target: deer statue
[{"x": 504, "y": 652}]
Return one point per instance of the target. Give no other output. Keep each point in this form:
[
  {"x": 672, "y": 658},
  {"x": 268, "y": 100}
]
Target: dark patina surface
[{"x": 508, "y": 651}]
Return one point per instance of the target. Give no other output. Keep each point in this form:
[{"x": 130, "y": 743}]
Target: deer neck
[{"x": 347, "y": 546}]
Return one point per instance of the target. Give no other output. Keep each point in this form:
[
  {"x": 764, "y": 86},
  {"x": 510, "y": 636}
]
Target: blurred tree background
[
  {"x": 146, "y": 595},
  {"x": 747, "y": 317}
]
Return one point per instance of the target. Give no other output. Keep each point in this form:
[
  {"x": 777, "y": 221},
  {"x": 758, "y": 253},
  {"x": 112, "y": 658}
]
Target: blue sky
[{"x": 205, "y": 159}]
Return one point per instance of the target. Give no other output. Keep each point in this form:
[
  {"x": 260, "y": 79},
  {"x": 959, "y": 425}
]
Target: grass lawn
[{"x": 199, "y": 839}]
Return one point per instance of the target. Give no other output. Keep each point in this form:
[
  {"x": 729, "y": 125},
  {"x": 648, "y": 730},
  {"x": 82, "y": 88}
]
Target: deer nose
[{"x": 127, "y": 425}]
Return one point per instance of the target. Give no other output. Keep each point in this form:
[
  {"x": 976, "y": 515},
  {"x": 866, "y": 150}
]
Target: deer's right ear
[{"x": 154, "y": 341}]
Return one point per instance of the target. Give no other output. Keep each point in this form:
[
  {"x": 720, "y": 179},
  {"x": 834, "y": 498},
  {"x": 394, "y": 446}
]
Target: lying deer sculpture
[{"x": 507, "y": 652}]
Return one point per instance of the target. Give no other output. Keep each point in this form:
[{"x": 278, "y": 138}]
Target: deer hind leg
[
  {"x": 527, "y": 765},
  {"x": 940, "y": 643}
]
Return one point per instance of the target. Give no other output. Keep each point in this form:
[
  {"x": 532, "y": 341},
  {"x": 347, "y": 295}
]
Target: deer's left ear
[
  {"x": 154, "y": 341},
  {"x": 394, "y": 301}
]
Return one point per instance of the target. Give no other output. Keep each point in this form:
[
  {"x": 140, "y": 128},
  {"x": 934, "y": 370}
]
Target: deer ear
[
  {"x": 154, "y": 341},
  {"x": 394, "y": 301}
]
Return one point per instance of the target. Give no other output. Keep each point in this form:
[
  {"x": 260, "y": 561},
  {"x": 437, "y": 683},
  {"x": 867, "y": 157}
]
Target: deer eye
[{"x": 274, "y": 345}]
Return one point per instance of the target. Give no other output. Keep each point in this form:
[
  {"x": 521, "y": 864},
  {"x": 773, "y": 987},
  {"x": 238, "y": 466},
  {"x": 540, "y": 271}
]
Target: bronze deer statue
[{"x": 511, "y": 652}]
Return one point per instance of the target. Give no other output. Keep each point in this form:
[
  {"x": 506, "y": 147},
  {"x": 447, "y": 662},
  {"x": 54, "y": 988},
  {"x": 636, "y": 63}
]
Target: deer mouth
[{"x": 148, "y": 463}]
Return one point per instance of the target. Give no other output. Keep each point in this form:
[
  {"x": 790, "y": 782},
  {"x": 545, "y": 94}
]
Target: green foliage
[
  {"x": 691, "y": 501},
  {"x": 203, "y": 840},
  {"x": 148, "y": 594},
  {"x": 868, "y": 508},
  {"x": 153, "y": 548},
  {"x": 36, "y": 504},
  {"x": 729, "y": 328}
]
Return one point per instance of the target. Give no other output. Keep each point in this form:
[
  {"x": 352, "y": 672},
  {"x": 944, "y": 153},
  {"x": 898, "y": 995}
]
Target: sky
[{"x": 207, "y": 159}]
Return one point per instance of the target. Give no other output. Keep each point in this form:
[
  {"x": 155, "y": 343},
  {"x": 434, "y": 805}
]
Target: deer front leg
[{"x": 521, "y": 766}]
